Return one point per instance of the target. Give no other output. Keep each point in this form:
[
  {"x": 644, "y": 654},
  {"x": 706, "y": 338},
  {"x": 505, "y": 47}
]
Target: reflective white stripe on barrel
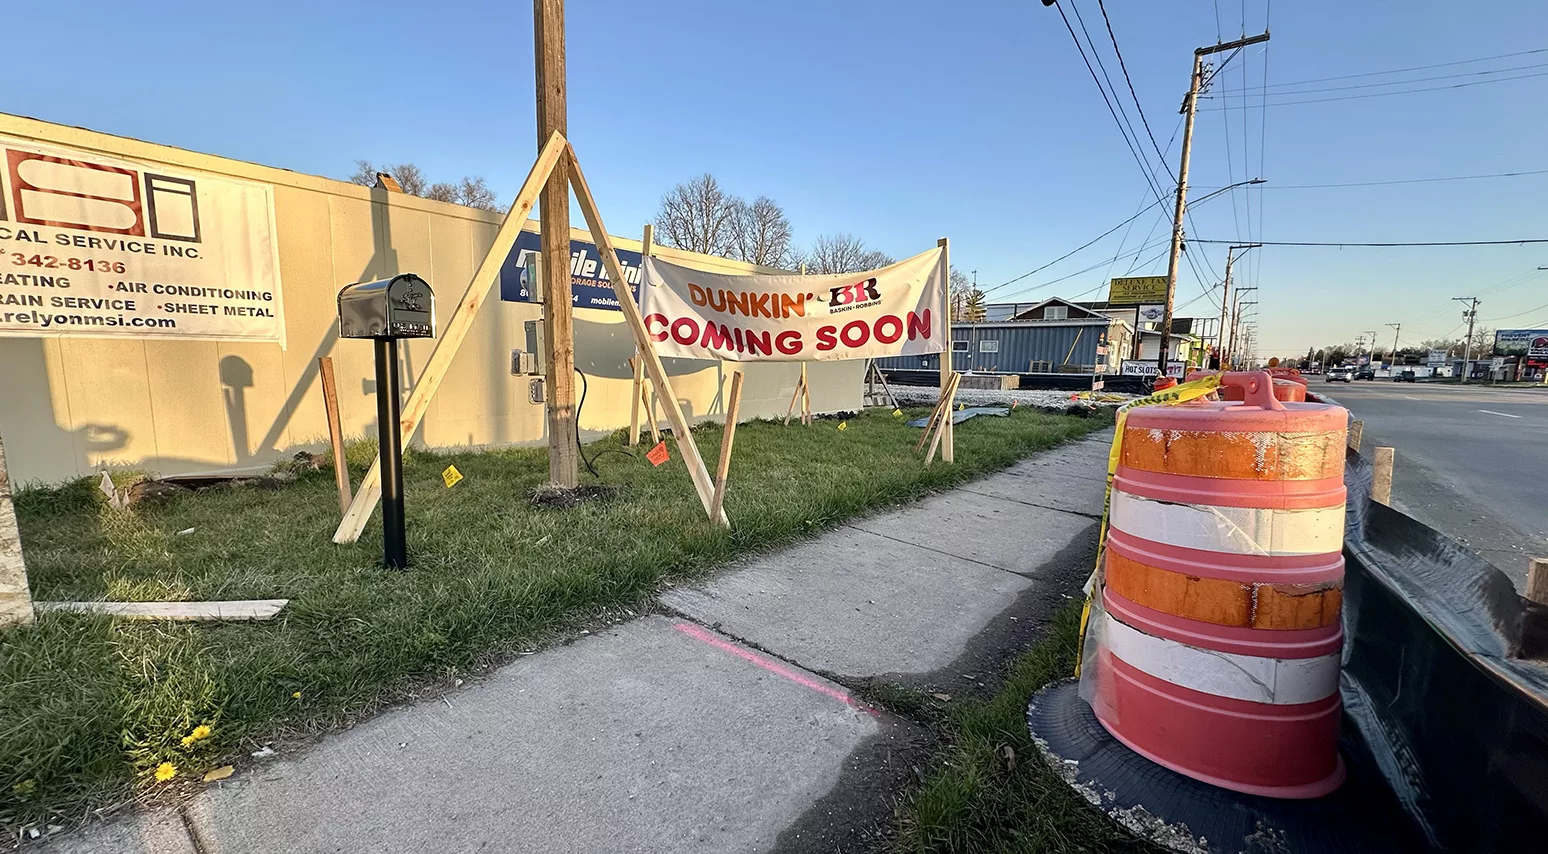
[
  {"x": 1277, "y": 681},
  {"x": 1234, "y": 530}
]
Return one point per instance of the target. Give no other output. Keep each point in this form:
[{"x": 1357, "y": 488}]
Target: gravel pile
[{"x": 913, "y": 395}]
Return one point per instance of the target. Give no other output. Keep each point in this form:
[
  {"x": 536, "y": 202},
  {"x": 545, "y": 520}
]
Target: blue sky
[{"x": 896, "y": 121}]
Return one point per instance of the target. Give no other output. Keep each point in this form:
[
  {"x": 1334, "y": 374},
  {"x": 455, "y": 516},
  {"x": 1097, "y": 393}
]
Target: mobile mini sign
[
  {"x": 896, "y": 310},
  {"x": 99, "y": 246},
  {"x": 589, "y": 283}
]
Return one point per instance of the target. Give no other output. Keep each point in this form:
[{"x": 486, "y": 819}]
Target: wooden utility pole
[
  {"x": 1189, "y": 108},
  {"x": 1467, "y": 344},
  {"x": 554, "y": 212},
  {"x": 1225, "y": 297},
  {"x": 1397, "y": 329}
]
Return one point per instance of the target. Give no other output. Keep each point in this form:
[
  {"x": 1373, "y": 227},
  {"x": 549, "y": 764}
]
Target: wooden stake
[
  {"x": 15, "y": 597},
  {"x": 1381, "y": 479},
  {"x": 795, "y": 396},
  {"x": 945, "y": 425},
  {"x": 456, "y": 330},
  {"x": 554, "y": 212},
  {"x": 649, "y": 400},
  {"x": 1356, "y": 432},
  {"x": 1537, "y": 580},
  {"x": 717, "y": 506},
  {"x": 239, "y": 609},
  {"x": 631, "y": 311},
  {"x": 949, "y": 447},
  {"x": 637, "y": 364},
  {"x": 335, "y": 432},
  {"x": 806, "y": 398},
  {"x": 943, "y": 402}
]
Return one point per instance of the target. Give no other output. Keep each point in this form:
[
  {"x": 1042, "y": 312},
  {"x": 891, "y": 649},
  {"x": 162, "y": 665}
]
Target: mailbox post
[{"x": 385, "y": 311}]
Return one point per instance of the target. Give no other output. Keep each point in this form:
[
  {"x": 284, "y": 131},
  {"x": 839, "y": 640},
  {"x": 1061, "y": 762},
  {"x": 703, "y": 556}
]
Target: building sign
[
  {"x": 100, "y": 246},
  {"x": 1437, "y": 357},
  {"x": 895, "y": 311},
  {"x": 1137, "y": 290},
  {"x": 1151, "y": 313},
  {"x": 1147, "y": 368},
  {"x": 590, "y": 286},
  {"x": 1529, "y": 343}
]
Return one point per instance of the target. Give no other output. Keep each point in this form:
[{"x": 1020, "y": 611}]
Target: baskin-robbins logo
[
  {"x": 87, "y": 196},
  {"x": 850, "y": 297}
]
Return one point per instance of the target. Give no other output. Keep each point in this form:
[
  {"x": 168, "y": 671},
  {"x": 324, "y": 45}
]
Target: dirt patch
[{"x": 560, "y": 498}]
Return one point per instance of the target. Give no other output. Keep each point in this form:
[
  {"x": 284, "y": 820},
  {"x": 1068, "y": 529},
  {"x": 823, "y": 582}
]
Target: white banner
[
  {"x": 98, "y": 246},
  {"x": 897, "y": 310}
]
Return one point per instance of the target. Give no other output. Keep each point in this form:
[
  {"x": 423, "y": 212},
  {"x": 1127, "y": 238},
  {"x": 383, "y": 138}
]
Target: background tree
[
  {"x": 471, "y": 191},
  {"x": 968, "y": 304},
  {"x": 761, "y": 232},
  {"x": 840, "y": 253},
  {"x": 698, "y": 216}
]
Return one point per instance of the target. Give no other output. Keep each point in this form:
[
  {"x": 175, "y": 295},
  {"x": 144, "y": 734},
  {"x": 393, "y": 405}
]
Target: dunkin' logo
[
  {"x": 79, "y": 194},
  {"x": 853, "y": 296}
]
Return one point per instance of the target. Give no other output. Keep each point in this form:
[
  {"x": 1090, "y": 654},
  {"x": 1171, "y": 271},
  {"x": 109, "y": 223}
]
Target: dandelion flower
[
  {"x": 296, "y": 695},
  {"x": 165, "y": 771},
  {"x": 200, "y": 733}
]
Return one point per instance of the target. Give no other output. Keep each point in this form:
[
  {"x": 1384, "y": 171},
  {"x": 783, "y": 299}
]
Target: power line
[
  {"x": 1401, "y": 92},
  {"x": 1395, "y": 181},
  {"x": 1141, "y": 110},
  {"x": 1402, "y": 82},
  {"x": 1076, "y": 249},
  {"x": 1412, "y": 68},
  {"x": 1419, "y": 243},
  {"x": 1115, "y": 110},
  {"x": 1517, "y": 314},
  {"x": 1164, "y": 241}
]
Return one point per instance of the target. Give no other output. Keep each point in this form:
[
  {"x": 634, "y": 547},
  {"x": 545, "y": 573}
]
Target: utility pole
[
  {"x": 1225, "y": 296},
  {"x": 1467, "y": 344},
  {"x": 554, "y": 212},
  {"x": 1236, "y": 318},
  {"x": 1397, "y": 329},
  {"x": 1189, "y": 109}
]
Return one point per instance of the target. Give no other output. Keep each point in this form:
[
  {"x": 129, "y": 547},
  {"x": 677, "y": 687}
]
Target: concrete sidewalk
[{"x": 725, "y": 723}]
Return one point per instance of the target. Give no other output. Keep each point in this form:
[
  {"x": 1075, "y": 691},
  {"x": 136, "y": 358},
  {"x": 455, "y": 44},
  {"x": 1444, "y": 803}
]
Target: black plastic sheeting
[
  {"x": 1032, "y": 382},
  {"x": 1436, "y": 684}
]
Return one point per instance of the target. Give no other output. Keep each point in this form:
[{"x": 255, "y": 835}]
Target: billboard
[
  {"x": 1528, "y": 343},
  {"x": 103, "y": 246},
  {"x": 1137, "y": 290}
]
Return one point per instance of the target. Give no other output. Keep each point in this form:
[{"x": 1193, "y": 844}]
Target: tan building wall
[{"x": 71, "y": 404}]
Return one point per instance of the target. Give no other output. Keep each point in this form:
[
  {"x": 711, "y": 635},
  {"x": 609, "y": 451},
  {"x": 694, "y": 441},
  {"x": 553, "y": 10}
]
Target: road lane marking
[{"x": 1492, "y": 412}]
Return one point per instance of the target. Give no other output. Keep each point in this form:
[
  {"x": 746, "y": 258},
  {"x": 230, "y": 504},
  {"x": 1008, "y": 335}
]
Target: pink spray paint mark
[{"x": 700, "y": 633}]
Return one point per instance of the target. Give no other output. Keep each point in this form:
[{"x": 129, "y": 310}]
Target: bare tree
[
  {"x": 841, "y": 253},
  {"x": 471, "y": 191},
  {"x": 968, "y": 304},
  {"x": 762, "y": 232},
  {"x": 699, "y": 217}
]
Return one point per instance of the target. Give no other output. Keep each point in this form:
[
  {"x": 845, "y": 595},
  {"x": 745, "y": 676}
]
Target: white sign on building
[{"x": 99, "y": 246}]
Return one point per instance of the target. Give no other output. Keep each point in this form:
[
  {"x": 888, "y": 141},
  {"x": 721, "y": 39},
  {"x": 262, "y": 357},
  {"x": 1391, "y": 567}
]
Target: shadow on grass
[{"x": 93, "y": 707}]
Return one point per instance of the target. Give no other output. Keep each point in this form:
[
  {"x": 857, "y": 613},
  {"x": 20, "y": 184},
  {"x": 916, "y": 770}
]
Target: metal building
[{"x": 1055, "y": 335}]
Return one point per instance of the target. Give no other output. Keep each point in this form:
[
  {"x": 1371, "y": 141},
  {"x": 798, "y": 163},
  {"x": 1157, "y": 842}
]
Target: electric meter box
[{"x": 400, "y": 307}]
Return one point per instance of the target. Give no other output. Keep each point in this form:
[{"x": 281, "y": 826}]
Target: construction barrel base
[{"x": 1184, "y": 814}]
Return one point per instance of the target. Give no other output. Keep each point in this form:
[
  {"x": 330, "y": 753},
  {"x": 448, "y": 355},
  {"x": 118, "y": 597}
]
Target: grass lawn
[
  {"x": 988, "y": 790},
  {"x": 93, "y": 706}
]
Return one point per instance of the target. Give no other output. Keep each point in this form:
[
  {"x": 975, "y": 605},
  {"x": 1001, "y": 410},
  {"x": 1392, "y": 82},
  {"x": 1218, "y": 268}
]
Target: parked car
[
  {"x": 1365, "y": 373},
  {"x": 1404, "y": 377},
  {"x": 1340, "y": 374}
]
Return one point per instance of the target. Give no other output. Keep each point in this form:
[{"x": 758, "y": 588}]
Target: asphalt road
[{"x": 1471, "y": 462}]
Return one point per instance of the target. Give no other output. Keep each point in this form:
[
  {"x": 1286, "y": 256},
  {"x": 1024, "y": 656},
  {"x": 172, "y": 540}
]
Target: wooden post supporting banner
[
  {"x": 942, "y": 404},
  {"x": 456, "y": 330},
  {"x": 1537, "y": 580},
  {"x": 15, "y": 597},
  {"x": 949, "y": 444},
  {"x": 1381, "y": 476},
  {"x": 946, "y": 420},
  {"x": 637, "y": 364},
  {"x": 1356, "y": 433},
  {"x": 806, "y": 398},
  {"x": 653, "y": 366},
  {"x": 554, "y": 211},
  {"x": 795, "y": 396},
  {"x": 733, "y": 406},
  {"x": 335, "y": 432}
]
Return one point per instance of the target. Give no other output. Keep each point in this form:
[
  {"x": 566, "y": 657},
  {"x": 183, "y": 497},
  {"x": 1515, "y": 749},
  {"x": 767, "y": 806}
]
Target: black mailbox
[{"x": 400, "y": 307}]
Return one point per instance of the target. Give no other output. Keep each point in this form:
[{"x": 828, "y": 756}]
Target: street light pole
[
  {"x": 1236, "y": 320},
  {"x": 1225, "y": 294},
  {"x": 1189, "y": 110}
]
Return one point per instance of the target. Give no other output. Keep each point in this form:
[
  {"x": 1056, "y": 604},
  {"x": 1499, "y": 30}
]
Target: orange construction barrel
[{"x": 1218, "y": 634}]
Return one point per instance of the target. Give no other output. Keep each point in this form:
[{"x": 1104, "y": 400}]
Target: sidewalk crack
[
  {"x": 1093, "y": 516},
  {"x": 944, "y": 553}
]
